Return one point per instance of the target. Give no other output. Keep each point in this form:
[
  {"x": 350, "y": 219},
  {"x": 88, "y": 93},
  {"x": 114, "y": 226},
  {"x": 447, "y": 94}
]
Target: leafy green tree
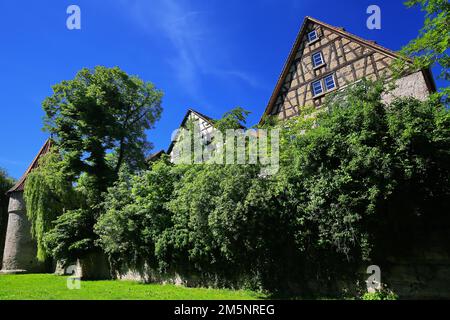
[
  {"x": 5, "y": 184},
  {"x": 368, "y": 176},
  {"x": 338, "y": 170},
  {"x": 100, "y": 111},
  {"x": 71, "y": 236},
  {"x": 5, "y": 181},
  {"x": 135, "y": 215},
  {"x": 432, "y": 45},
  {"x": 98, "y": 122},
  {"x": 229, "y": 223}
]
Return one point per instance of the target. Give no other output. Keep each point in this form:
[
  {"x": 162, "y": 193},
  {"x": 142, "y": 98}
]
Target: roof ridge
[
  {"x": 352, "y": 35},
  {"x": 201, "y": 115},
  {"x": 20, "y": 184}
]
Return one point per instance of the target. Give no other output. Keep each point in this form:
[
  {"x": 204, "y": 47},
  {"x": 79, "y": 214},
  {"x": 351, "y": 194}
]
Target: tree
[
  {"x": 98, "y": 122},
  {"x": 135, "y": 215},
  {"x": 368, "y": 179},
  {"x": 432, "y": 45},
  {"x": 100, "y": 111},
  {"x": 72, "y": 236},
  {"x": 233, "y": 119},
  {"x": 5, "y": 184}
]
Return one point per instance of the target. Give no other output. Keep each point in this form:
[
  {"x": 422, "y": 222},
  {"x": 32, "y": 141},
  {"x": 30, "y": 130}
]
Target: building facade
[
  {"x": 203, "y": 123},
  {"x": 325, "y": 58}
]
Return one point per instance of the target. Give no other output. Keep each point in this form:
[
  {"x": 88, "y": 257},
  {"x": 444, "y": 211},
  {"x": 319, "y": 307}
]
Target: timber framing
[
  {"x": 207, "y": 120},
  {"x": 20, "y": 184},
  {"x": 347, "y": 56}
]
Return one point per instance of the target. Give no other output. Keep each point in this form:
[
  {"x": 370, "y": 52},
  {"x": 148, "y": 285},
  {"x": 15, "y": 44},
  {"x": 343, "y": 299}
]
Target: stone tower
[{"x": 20, "y": 249}]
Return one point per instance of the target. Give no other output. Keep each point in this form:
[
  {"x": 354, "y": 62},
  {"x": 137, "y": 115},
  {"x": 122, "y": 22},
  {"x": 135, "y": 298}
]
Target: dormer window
[
  {"x": 312, "y": 36},
  {"x": 317, "y": 59}
]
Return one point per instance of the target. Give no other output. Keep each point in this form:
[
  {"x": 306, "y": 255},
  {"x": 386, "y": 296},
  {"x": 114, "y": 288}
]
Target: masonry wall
[
  {"x": 3, "y": 224},
  {"x": 420, "y": 277},
  {"x": 148, "y": 275},
  {"x": 413, "y": 85},
  {"x": 20, "y": 249}
]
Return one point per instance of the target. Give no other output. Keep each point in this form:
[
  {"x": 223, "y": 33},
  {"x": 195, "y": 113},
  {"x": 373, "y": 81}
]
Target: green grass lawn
[{"x": 53, "y": 287}]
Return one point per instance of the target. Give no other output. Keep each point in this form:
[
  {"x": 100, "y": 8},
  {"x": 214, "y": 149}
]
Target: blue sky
[{"x": 207, "y": 55}]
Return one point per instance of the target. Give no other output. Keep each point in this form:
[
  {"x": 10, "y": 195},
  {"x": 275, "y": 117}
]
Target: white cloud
[{"x": 194, "y": 41}]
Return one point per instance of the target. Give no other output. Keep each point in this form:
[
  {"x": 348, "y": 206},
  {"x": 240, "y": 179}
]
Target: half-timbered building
[
  {"x": 325, "y": 58},
  {"x": 204, "y": 124}
]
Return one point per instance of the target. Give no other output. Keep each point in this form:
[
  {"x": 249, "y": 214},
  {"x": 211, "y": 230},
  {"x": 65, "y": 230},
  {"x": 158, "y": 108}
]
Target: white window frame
[
  {"x": 323, "y": 85},
  {"x": 321, "y": 88},
  {"x": 316, "y": 34},
  {"x": 322, "y": 62},
  {"x": 325, "y": 82}
]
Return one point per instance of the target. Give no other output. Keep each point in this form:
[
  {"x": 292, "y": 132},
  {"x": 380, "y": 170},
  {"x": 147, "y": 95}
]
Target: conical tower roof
[{"x": 18, "y": 187}]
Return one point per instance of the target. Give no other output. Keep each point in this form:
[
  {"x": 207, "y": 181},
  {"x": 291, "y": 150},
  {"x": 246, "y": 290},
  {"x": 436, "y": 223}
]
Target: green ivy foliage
[
  {"x": 71, "y": 237},
  {"x": 135, "y": 215},
  {"x": 358, "y": 180},
  {"x": 431, "y": 47},
  {"x": 381, "y": 294},
  {"x": 98, "y": 122}
]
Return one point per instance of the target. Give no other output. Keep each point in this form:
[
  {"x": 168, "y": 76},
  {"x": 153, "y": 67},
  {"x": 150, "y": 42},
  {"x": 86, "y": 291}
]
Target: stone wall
[
  {"x": 424, "y": 274},
  {"x": 93, "y": 266},
  {"x": 413, "y": 85},
  {"x": 3, "y": 224},
  {"x": 148, "y": 275},
  {"x": 20, "y": 249}
]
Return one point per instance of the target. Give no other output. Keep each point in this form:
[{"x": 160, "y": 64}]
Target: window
[
  {"x": 317, "y": 59},
  {"x": 329, "y": 82},
  {"x": 323, "y": 85},
  {"x": 312, "y": 36},
  {"x": 317, "y": 87}
]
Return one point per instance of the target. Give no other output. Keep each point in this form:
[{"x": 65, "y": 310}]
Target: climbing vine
[
  {"x": 48, "y": 193},
  {"x": 358, "y": 183}
]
